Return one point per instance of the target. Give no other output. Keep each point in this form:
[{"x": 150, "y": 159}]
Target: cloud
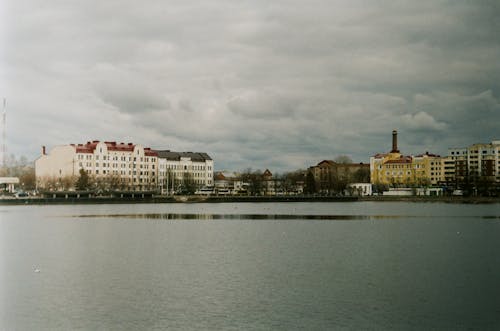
[
  {"x": 422, "y": 121},
  {"x": 255, "y": 84}
]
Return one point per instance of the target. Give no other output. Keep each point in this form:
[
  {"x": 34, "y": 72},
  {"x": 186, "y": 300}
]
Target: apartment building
[
  {"x": 179, "y": 171},
  {"x": 473, "y": 162},
  {"x": 119, "y": 165}
]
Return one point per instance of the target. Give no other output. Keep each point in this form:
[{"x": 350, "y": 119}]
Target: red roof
[
  {"x": 90, "y": 147},
  {"x": 220, "y": 176}
]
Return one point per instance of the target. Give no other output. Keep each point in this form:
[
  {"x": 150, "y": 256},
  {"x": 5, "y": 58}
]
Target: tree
[
  {"x": 83, "y": 182},
  {"x": 254, "y": 180},
  {"x": 114, "y": 182},
  {"x": 27, "y": 179},
  {"x": 343, "y": 159},
  {"x": 188, "y": 183},
  {"x": 310, "y": 187},
  {"x": 362, "y": 175},
  {"x": 66, "y": 183}
]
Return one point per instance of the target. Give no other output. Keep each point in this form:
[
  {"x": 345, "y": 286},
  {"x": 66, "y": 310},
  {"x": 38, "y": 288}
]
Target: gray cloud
[{"x": 258, "y": 84}]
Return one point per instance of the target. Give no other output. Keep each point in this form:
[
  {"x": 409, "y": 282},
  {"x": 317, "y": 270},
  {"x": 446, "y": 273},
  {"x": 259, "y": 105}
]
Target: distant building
[
  {"x": 7, "y": 184},
  {"x": 120, "y": 166},
  {"x": 478, "y": 162},
  {"x": 396, "y": 169},
  {"x": 184, "y": 171},
  {"x": 359, "y": 189},
  {"x": 332, "y": 177},
  {"x": 229, "y": 183},
  {"x": 268, "y": 184},
  {"x": 113, "y": 165}
]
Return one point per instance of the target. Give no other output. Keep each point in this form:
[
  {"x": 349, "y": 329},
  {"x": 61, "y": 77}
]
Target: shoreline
[{"x": 243, "y": 199}]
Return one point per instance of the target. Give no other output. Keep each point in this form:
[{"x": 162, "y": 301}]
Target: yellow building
[{"x": 395, "y": 169}]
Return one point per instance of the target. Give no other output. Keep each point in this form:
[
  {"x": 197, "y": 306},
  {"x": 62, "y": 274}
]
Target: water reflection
[{"x": 203, "y": 216}]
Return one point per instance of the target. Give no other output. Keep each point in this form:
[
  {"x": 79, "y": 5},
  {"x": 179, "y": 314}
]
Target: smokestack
[
  {"x": 395, "y": 142},
  {"x": 43, "y": 150}
]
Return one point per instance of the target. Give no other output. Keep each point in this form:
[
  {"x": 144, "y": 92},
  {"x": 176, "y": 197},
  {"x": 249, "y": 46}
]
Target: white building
[
  {"x": 227, "y": 182},
  {"x": 178, "y": 170},
  {"x": 477, "y": 160},
  {"x": 8, "y": 184},
  {"x": 360, "y": 189},
  {"x": 122, "y": 166}
]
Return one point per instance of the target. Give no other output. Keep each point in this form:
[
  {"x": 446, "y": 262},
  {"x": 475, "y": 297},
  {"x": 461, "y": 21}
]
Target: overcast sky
[{"x": 262, "y": 84}]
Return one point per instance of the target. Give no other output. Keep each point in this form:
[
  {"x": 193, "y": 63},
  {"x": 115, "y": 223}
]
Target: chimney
[
  {"x": 395, "y": 142},
  {"x": 43, "y": 150}
]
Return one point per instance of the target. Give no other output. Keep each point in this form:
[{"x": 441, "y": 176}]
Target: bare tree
[{"x": 342, "y": 159}]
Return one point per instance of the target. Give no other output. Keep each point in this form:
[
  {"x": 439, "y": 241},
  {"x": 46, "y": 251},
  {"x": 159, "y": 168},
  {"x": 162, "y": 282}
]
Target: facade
[
  {"x": 184, "y": 171},
  {"x": 8, "y": 184},
  {"x": 473, "y": 163},
  {"x": 330, "y": 176},
  {"x": 396, "y": 169},
  {"x": 268, "y": 186},
  {"x": 119, "y": 166},
  {"x": 229, "y": 183},
  {"x": 359, "y": 189},
  {"x": 111, "y": 165}
]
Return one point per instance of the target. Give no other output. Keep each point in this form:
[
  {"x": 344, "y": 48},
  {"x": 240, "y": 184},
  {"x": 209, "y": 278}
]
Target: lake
[{"x": 250, "y": 266}]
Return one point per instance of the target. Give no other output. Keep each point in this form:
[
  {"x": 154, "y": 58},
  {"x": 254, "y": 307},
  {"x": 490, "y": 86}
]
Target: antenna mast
[{"x": 4, "y": 147}]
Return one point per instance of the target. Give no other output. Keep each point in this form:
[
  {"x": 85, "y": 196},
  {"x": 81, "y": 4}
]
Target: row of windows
[
  {"x": 474, "y": 151},
  {"x": 184, "y": 167},
  {"x": 177, "y": 173},
  {"x": 115, "y": 158},
  {"x": 116, "y": 165},
  {"x": 398, "y": 166},
  {"x": 123, "y": 173}
]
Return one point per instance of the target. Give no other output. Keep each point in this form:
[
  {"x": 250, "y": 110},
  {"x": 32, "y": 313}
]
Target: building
[
  {"x": 396, "y": 169},
  {"x": 184, "y": 171},
  {"x": 332, "y": 177},
  {"x": 229, "y": 183},
  {"x": 478, "y": 162},
  {"x": 359, "y": 189},
  {"x": 268, "y": 186},
  {"x": 8, "y": 184},
  {"x": 110, "y": 165}
]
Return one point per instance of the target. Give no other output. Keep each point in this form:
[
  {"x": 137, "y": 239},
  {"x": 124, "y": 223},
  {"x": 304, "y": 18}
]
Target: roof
[
  {"x": 428, "y": 154},
  {"x": 330, "y": 163},
  {"x": 176, "y": 156},
  {"x": 9, "y": 180},
  {"x": 219, "y": 176},
  {"x": 326, "y": 163},
  {"x": 267, "y": 173},
  {"x": 403, "y": 159},
  {"x": 90, "y": 147}
]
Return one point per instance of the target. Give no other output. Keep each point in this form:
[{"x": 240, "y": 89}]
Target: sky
[{"x": 255, "y": 84}]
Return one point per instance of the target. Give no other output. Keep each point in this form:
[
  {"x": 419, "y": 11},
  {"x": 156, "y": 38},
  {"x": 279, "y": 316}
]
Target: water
[{"x": 276, "y": 266}]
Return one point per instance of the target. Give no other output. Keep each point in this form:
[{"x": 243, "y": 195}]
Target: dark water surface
[{"x": 246, "y": 266}]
